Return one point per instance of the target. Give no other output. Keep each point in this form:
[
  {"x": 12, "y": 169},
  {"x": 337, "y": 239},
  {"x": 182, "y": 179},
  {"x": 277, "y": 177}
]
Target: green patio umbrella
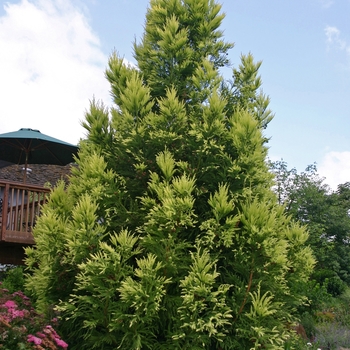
[{"x": 28, "y": 146}]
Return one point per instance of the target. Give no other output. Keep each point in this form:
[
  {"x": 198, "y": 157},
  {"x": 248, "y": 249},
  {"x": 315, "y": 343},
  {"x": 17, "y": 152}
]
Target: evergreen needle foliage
[{"x": 169, "y": 235}]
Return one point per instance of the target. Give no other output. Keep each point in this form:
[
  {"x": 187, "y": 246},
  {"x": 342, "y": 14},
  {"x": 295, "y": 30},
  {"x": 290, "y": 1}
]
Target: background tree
[
  {"x": 326, "y": 213},
  {"x": 168, "y": 235}
]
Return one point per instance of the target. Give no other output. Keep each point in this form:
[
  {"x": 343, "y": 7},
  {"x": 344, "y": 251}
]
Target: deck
[{"x": 20, "y": 205}]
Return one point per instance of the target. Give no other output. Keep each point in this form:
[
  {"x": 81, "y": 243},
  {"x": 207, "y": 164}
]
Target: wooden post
[{"x": 4, "y": 211}]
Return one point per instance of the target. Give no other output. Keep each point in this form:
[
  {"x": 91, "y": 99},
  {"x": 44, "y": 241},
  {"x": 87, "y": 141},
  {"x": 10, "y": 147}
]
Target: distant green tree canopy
[
  {"x": 169, "y": 235},
  {"x": 326, "y": 213}
]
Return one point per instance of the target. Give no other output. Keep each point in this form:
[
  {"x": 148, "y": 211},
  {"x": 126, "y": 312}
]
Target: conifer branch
[{"x": 246, "y": 294}]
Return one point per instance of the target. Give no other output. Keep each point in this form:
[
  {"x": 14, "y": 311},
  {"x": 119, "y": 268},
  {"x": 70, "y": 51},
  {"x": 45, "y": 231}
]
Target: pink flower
[
  {"x": 20, "y": 294},
  {"x": 33, "y": 339},
  {"x": 62, "y": 343},
  {"x": 18, "y": 313},
  {"x": 10, "y": 304},
  {"x": 21, "y": 311}
]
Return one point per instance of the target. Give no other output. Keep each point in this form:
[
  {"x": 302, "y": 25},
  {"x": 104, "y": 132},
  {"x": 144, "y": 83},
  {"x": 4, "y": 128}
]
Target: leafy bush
[
  {"x": 21, "y": 327},
  {"x": 13, "y": 279},
  {"x": 322, "y": 274},
  {"x": 328, "y": 326},
  {"x": 308, "y": 322},
  {"x": 316, "y": 295},
  {"x": 332, "y": 336},
  {"x": 343, "y": 310},
  {"x": 335, "y": 286}
]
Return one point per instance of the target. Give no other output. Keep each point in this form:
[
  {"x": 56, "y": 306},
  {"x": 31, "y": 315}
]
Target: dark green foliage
[
  {"x": 13, "y": 279},
  {"x": 326, "y": 214},
  {"x": 317, "y": 297},
  {"x": 169, "y": 236},
  {"x": 335, "y": 286},
  {"x": 308, "y": 322}
]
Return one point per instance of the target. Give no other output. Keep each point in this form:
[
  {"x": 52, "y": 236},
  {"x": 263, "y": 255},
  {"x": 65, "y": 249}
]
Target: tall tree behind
[
  {"x": 310, "y": 201},
  {"x": 169, "y": 236}
]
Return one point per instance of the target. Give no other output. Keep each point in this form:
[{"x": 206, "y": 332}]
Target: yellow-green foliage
[{"x": 169, "y": 235}]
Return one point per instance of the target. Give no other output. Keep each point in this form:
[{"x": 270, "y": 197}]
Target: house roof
[{"x": 39, "y": 174}]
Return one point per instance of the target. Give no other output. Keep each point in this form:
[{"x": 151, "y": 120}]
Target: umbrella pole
[{"x": 25, "y": 169}]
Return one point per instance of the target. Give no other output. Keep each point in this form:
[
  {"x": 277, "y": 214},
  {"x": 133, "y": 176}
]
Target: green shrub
[
  {"x": 308, "y": 322},
  {"x": 317, "y": 297},
  {"x": 332, "y": 336},
  {"x": 335, "y": 286},
  {"x": 14, "y": 279},
  {"x": 321, "y": 275}
]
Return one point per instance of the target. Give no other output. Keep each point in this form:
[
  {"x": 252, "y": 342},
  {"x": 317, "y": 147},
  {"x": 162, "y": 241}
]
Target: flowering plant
[{"x": 21, "y": 327}]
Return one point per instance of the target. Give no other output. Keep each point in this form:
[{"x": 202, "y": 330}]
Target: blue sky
[{"x": 54, "y": 52}]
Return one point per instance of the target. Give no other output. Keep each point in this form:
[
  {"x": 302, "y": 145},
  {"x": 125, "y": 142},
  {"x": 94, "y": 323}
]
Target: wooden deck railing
[{"x": 19, "y": 208}]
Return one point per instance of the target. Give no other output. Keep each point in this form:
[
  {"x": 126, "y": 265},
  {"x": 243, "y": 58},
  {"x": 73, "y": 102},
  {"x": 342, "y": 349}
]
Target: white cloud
[
  {"x": 334, "y": 38},
  {"x": 51, "y": 65},
  {"x": 337, "y": 45},
  {"x": 335, "y": 167}
]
